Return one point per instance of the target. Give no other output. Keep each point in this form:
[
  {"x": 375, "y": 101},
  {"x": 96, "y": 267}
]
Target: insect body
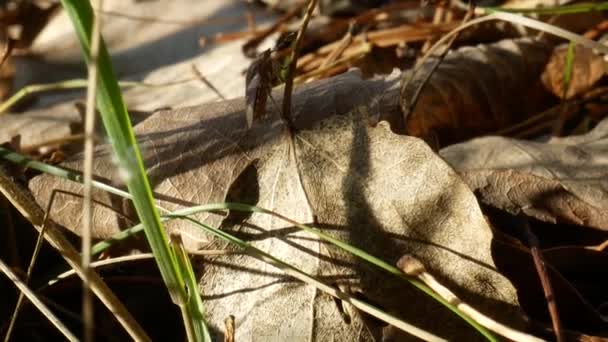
[
  {"x": 258, "y": 84},
  {"x": 261, "y": 74}
]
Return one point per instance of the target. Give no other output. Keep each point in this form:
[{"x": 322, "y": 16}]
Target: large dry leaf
[
  {"x": 383, "y": 192},
  {"x": 477, "y": 90},
  {"x": 563, "y": 180}
]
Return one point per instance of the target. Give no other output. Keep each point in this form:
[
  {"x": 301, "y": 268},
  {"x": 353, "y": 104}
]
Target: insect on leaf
[{"x": 258, "y": 87}]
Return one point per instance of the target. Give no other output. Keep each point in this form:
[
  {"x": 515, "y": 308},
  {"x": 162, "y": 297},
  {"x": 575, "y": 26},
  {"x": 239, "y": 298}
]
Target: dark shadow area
[
  {"x": 138, "y": 286},
  {"x": 515, "y": 261}
]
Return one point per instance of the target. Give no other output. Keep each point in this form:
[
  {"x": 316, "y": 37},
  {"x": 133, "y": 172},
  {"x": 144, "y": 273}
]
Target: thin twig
[
  {"x": 380, "y": 38},
  {"x": 208, "y": 83},
  {"x": 539, "y": 264},
  {"x": 104, "y": 262},
  {"x": 142, "y": 256},
  {"x": 89, "y": 144},
  {"x": 600, "y": 248},
  {"x": 167, "y": 21},
  {"x": 293, "y": 60},
  {"x": 342, "y": 63},
  {"x": 286, "y": 110},
  {"x": 339, "y": 49},
  {"x": 413, "y": 267},
  {"x": 543, "y": 119},
  {"x": 438, "y": 18}
]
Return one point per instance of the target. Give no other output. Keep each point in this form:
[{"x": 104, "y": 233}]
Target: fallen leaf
[
  {"x": 383, "y": 192},
  {"x": 38, "y": 126},
  {"x": 562, "y": 180},
  {"x": 477, "y": 90}
]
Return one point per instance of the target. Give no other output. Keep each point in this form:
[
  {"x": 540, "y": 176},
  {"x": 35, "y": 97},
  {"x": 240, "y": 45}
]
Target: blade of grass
[
  {"x": 73, "y": 84},
  {"x": 568, "y": 68},
  {"x": 554, "y": 10},
  {"x": 57, "y": 171},
  {"x": 558, "y": 125},
  {"x": 118, "y": 126},
  {"x": 194, "y": 300}
]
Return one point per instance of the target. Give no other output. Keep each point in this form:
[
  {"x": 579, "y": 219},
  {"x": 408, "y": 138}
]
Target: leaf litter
[
  {"x": 369, "y": 186},
  {"x": 384, "y": 192}
]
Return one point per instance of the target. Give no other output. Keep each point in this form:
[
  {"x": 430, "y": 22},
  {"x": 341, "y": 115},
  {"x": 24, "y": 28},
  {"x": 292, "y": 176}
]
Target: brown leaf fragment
[
  {"x": 544, "y": 199},
  {"x": 477, "y": 90},
  {"x": 587, "y": 68},
  {"x": 563, "y": 180}
]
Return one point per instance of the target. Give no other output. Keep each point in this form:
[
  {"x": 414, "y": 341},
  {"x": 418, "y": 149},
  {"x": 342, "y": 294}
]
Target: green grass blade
[
  {"x": 194, "y": 305},
  {"x": 553, "y": 10},
  {"x": 66, "y": 85},
  {"x": 120, "y": 132},
  {"x": 568, "y": 69}
]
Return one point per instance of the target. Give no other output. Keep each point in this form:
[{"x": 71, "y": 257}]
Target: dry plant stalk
[
  {"x": 206, "y": 82},
  {"x": 541, "y": 269},
  {"x": 413, "y": 267},
  {"x": 229, "y": 329}
]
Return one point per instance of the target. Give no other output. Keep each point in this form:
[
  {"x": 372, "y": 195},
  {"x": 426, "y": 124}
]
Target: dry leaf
[
  {"x": 587, "y": 68},
  {"x": 477, "y": 90},
  {"x": 563, "y": 180},
  {"x": 383, "y": 192},
  {"x": 38, "y": 126}
]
